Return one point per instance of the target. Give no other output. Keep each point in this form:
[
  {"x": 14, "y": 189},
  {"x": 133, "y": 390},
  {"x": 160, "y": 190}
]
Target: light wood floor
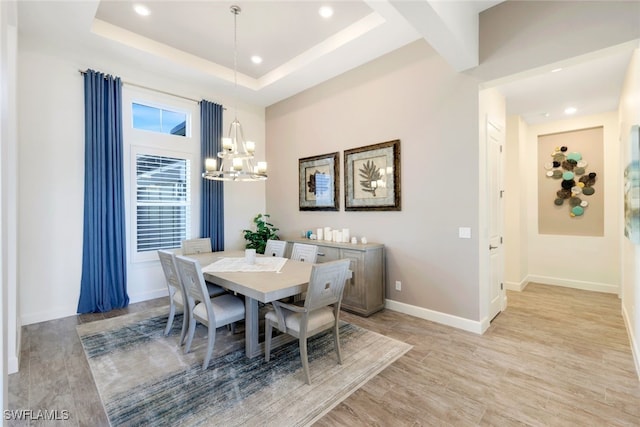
[{"x": 555, "y": 357}]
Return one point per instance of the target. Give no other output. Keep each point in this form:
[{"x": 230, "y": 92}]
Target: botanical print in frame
[
  {"x": 372, "y": 177},
  {"x": 317, "y": 182}
]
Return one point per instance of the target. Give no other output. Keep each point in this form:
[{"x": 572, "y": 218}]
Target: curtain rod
[{"x": 154, "y": 90}]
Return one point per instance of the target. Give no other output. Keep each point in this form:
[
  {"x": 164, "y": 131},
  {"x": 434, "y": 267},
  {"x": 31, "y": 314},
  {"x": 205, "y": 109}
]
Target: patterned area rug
[{"x": 144, "y": 378}]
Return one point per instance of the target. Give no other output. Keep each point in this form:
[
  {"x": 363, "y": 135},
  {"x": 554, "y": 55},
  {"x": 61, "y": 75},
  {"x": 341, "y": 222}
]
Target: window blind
[{"x": 162, "y": 201}]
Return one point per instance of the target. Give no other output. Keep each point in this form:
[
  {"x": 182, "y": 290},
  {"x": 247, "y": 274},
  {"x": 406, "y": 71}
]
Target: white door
[{"x": 495, "y": 142}]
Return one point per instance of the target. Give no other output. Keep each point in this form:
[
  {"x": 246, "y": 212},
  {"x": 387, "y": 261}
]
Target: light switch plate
[{"x": 464, "y": 232}]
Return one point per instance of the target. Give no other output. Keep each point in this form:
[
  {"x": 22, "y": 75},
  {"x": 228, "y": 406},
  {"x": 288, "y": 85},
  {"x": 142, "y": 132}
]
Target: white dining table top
[{"x": 264, "y": 286}]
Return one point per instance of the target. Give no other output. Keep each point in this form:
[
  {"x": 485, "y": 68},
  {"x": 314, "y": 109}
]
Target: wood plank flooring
[{"x": 555, "y": 357}]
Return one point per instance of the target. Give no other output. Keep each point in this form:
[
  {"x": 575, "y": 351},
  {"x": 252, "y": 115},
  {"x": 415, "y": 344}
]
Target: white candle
[
  {"x": 319, "y": 234},
  {"x": 262, "y": 167},
  {"x": 210, "y": 165},
  {"x": 227, "y": 144},
  {"x": 338, "y": 236},
  {"x": 237, "y": 164},
  {"x": 327, "y": 234},
  {"x": 251, "y": 147},
  {"x": 345, "y": 235}
]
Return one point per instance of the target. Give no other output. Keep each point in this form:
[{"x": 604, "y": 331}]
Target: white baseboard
[
  {"x": 61, "y": 312},
  {"x": 43, "y": 316},
  {"x": 576, "y": 284},
  {"x": 635, "y": 350},
  {"x": 515, "y": 286},
  {"x": 438, "y": 317},
  {"x": 12, "y": 365},
  {"x": 145, "y": 296}
]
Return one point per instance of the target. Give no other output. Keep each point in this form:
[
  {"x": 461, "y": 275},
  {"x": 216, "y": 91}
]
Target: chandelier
[{"x": 235, "y": 161}]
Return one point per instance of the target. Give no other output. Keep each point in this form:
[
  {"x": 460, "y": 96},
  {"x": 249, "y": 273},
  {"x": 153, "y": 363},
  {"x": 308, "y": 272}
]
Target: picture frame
[
  {"x": 318, "y": 178},
  {"x": 372, "y": 177}
]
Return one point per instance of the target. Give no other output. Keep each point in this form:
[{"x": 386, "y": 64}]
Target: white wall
[
  {"x": 630, "y": 115},
  {"x": 412, "y": 95},
  {"x": 9, "y": 322},
  {"x": 584, "y": 262},
  {"x": 515, "y": 238},
  {"x": 51, "y": 163}
]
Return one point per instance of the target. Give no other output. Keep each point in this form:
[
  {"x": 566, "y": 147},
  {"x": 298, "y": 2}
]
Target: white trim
[
  {"x": 438, "y": 317},
  {"x": 635, "y": 350},
  {"x": 576, "y": 284},
  {"x": 149, "y": 295},
  {"x": 12, "y": 365},
  {"x": 43, "y": 316},
  {"x": 514, "y": 286}
]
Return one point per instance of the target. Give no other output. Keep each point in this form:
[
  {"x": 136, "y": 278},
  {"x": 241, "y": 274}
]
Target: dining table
[{"x": 256, "y": 286}]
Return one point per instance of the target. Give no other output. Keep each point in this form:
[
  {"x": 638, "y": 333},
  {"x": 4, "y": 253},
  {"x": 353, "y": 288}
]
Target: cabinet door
[
  {"x": 326, "y": 254},
  {"x": 354, "y": 290}
]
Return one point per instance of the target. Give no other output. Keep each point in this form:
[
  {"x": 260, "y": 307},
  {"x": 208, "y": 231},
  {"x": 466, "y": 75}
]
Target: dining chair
[
  {"x": 212, "y": 312},
  {"x": 176, "y": 292},
  {"x": 325, "y": 288},
  {"x": 275, "y": 248},
  {"x": 196, "y": 246},
  {"x": 304, "y": 252}
]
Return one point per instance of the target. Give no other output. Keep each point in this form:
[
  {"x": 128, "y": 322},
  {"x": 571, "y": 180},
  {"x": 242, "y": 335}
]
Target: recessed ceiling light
[
  {"x": 141, "y": 10},
  {"x": 326, "y": 11},
  {"x": 555, "y": 70},
  {"x": 570, "y": 110},
  {"x": 256, "y": 59}
]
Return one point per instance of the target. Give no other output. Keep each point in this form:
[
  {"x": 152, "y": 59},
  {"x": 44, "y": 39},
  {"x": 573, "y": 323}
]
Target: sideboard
[{"x": 364, "y": 292}]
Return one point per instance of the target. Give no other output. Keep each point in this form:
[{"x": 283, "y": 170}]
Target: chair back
[
  {"x": 194, "y": 284},
  {"x": 304, "y": 252},
  {"x": 168, "y": 262},
  {"x": 196, "y": 246},
  {"x": 326, "y": 284},
  {"x": 275, "y": 248}
]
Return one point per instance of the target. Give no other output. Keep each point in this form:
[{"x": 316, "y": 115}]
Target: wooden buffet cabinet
[{"x": 364, "y": 292}]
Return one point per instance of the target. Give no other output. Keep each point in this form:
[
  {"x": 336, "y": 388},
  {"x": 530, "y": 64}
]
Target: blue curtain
[
  {"x": 103, "y": 285},
  {"x": 212, "y": 198}
]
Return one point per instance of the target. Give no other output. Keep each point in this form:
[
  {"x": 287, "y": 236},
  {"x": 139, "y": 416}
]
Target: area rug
[{"x": 144, "y": 378}]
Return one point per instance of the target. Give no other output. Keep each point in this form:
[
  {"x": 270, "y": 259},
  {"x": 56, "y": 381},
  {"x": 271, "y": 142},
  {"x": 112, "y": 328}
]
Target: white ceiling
[{"x": 194, "y": 40}]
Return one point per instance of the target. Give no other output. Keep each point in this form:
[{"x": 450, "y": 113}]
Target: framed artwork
[
  {"x": 372, "y": 177},
  {"x": 318, "y": 178}
]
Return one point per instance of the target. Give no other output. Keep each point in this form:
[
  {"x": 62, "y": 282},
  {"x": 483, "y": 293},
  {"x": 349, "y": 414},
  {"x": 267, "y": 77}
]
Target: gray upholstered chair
[
  {"x": 176, "y": 292},
  {"x": 196, "y": 246},
  {"x": 211, "y": 312},
  {"x": 275, "y": 248},
  {"x": 326, "y": 285},
  {"x": 304, "y": 252}
]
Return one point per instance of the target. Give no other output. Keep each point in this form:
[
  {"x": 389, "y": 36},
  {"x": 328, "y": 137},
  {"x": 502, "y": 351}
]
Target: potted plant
[{"x": 257, "y": 239}]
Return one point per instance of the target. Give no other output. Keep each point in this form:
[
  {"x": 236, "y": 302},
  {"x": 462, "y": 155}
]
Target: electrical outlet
[{"x": 398, "y": 285}]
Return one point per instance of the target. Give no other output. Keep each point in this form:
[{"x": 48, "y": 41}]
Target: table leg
[{"x": 251, "y": 321}]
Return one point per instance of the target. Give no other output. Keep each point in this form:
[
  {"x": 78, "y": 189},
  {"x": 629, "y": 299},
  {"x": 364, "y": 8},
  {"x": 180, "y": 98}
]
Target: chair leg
[
  {"x": 268, "y": 330},
  {"x": 172, "y": 312},
  {"x": 192, "y": 330},
  {"x": 185, "y": 326},
  {"x": 210, "y": 343},
  {"x": 336, "y": 342},
  {"x": 305, "y": 360}
]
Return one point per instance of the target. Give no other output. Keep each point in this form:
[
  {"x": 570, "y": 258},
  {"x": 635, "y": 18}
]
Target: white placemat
[{"x": 226, "y": 265}]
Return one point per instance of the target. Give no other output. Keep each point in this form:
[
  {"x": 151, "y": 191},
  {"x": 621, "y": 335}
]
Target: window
[
  {"x": 163, "y": 183},
  {"x": 155, "y": 119},
  {"x": 163, "y": 202}
]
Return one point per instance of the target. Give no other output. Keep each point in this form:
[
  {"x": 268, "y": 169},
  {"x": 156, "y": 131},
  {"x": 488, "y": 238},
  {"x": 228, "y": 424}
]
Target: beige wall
[
  {"x": 412, "y": 95},
  {"x": 629, "y": 116},
  {"x": 586, "y": 262}
]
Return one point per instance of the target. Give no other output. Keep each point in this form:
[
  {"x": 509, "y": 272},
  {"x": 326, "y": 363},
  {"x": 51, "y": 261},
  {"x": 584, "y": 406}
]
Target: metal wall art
[
  {"x": 575, "y": 181},
  {"x": 372, "y": 177}
]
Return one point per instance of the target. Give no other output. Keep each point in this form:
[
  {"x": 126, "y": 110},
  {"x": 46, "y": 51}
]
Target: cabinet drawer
[{"x": 326, "y": 254}]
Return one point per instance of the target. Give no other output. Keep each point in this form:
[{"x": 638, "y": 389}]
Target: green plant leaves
[{"x": 257, "y": 239}]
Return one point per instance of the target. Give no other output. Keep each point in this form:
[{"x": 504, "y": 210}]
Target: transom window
[{"x": 155, "y": 119}]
